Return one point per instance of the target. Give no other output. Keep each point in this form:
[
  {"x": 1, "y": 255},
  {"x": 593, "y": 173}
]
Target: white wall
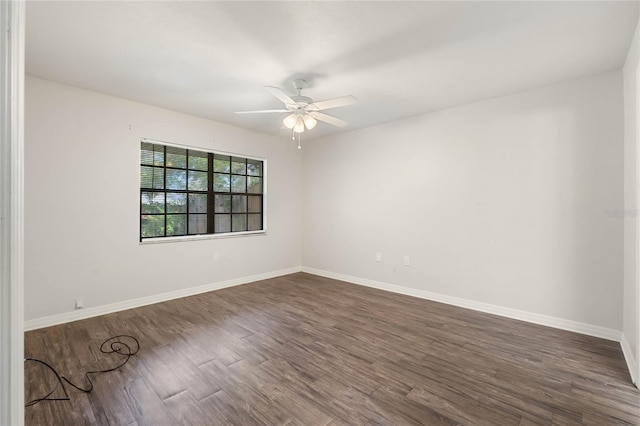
[
  {"x": 501, "y": 202},
  {"x": 631, "y": 318},
  {"x": 82, "y": 202}
]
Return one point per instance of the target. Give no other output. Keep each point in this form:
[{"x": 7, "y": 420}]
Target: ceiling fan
[{"x": 304, "y": 113}]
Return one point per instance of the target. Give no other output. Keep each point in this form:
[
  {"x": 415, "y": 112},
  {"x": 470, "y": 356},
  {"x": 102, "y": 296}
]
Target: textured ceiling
[{"x": 398, "y": 58}]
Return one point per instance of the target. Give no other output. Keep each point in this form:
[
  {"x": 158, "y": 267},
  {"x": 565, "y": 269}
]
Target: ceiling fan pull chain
[{"x": 299, "y": 147}]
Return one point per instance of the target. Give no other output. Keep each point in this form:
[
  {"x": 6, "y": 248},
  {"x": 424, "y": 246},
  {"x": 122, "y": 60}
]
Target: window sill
[{"x": 160, "y": 240}]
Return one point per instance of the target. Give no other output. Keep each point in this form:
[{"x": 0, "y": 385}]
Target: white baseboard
[
  {"x": 563, "y": 324},
  {"x": 631, "y": 360},
  {"x": 148, "y": 300}
]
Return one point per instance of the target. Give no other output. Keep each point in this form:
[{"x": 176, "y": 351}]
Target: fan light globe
[
  {"x": 299, "y": 126},
  {"x": 310, "y": 122},
  {"x": 289, "y": 121}
]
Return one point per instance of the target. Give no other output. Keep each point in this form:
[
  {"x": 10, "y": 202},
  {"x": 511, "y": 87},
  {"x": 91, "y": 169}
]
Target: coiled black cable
[{"x": 111, "y": 345}]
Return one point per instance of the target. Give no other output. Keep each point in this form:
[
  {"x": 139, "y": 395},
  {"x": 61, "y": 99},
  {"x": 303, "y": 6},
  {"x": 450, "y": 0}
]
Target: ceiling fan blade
[
  {"x": 279, "y": 93},
  {"x": 262, "y": 111},
  {"x": 329, "y": 119},
  {"x": 333, "y": 103}
]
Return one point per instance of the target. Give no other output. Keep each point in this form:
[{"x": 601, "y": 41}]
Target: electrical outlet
[
  {"x": 378, "y": 257},
  {"x": 80, "y": 303},
  {"x": 407, "y": 261},
  {"x": 216, "y": 257}
]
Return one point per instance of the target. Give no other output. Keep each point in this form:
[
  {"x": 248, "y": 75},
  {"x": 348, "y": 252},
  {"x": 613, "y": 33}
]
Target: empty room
[{"x": 320, "y": 213}]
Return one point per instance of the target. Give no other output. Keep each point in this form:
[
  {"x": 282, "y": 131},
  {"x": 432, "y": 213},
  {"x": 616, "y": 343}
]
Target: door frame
[{"x": 12, "y": 43}]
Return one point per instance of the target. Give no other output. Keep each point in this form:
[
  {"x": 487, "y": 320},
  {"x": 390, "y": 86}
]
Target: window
[{"x": 189, "y": 192}]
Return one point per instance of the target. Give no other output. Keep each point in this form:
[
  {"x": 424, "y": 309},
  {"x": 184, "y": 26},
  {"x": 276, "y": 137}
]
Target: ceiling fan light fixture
[
  {"x": 289, "y": 121},
  {"x": 299, "y": 126},
  {"x": 302, "y": 112},
  {"x": 309, "y": 121}
]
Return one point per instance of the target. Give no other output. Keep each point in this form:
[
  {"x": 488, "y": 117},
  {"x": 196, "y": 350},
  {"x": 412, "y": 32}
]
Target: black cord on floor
[{"x": 111, "y": 345}]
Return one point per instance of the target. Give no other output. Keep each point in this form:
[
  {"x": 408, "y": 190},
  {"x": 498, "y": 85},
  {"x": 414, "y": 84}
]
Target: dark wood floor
[{"x": 306, "y": 350}]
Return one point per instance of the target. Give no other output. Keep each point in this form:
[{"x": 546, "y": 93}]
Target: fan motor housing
[{"x": 302, "y": 100}]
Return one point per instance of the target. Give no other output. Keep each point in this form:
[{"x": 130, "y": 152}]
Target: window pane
[
  {"x": 146, "y": 153},
  {"x": 176, "y": 202},
  {"x": 221, "y": 163},
  {"x": 239, "y": 222},
  {"x": 238, "y": 183},
  {"x": 176, "y": 224},
  {"x": 152, "y": 225},
  {"x": 176, "y": 179},
  {"x": 255, "y": 222},
  {"x": 158, "y": 155},
  {"x": 223, "y": 204},
  {"x": 151, "y": 177},
  {"x": 197, "y": 224},
  {"x": 197, "y": 203},
  {"x": 255, "y": 204},
  {"x": 254, "y": 185},
  {"x": 254, "y": 167},
  {"x": 238, "y": 166},
  {"x": 198, "y": 160},
  {"x": 239, "y": 204},
  {"x": 198, "y": 181},
  {"x": 223, "y": 223},
  {"x": 146, "y": 177},
  {"x": 220, "y": 182},
  {"x": 176, "y": 157},
  {"x": 152, "y": 202}
]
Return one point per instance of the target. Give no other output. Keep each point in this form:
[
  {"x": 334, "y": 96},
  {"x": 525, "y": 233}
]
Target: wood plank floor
[{"x": 306, "y": 350}]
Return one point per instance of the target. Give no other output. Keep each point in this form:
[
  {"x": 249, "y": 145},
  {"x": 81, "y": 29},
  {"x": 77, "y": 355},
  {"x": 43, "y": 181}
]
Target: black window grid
[{"x": 210, "y": 193}]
